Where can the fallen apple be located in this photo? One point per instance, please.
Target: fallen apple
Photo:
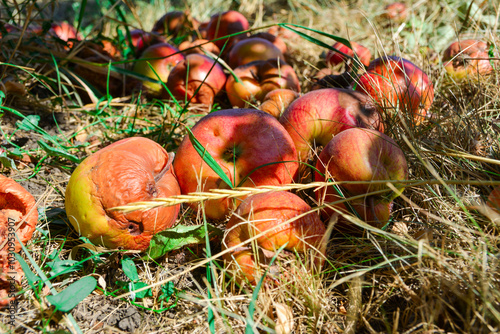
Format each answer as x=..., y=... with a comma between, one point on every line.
x=276, y=101
x=314, y=118
x=361, y=155
x=196, y=72
x=250, y=146
x=197, y=46
x=468, y=58
x=162, y=58
x=395, y=82
x=253, y=49
x=396, y=12
x=18, y=214
x=257, y=79
x=276, y=40
x=285, y=218
x=224, y=24
x=130, y=170
x=142, y=40
x=65, y=32
x=334, y=58
x=494, y=199
x=176, y=23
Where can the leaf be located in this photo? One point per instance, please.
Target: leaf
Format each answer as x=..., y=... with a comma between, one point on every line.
x=7, y=162
x=30, y=276
x=209, y=160
x=29, y=123
x=67, y=299
x=59, y=267
x=167, y=291
x=284, y=323
x=177, y=237
x=57, y=152
x=129, y=268
x=140, y=294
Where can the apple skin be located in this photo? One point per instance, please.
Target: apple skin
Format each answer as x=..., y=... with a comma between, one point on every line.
x=317, y=116
x=257, y=79
x=393, y=80
x=197, y=47
x=226, y=23
x=130, y=170
x=256, y=138
x=175, y=23
x=16, y=205
x=494, y=199
x=361, y=155
x=141, y=40
x=459, y=62
x=263, y=212
x=334, y=58
x=167, y=59
x=276, y=40
x=65, y=32
x=253, y=49
x=276, y=101
x=196, y=68
x=396, y=12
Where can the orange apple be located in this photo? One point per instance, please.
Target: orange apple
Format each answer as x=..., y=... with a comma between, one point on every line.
x=468, y=58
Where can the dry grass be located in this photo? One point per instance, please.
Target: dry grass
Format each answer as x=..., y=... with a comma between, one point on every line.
x=434, y=269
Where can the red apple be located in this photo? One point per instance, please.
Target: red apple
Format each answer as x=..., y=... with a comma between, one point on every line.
x=197, y=46
x=396, y=11
x=259, y=78
x=361, y=155
x=334, y=58
x=162, y=57
x=224, y=24
x=270, y=212
x=317, y=116
x=393, y=81
x=467, y=58
x=175, y=23
x=141, y=40
x=197, y=70
x=276, y=40
x=130, y=170
x=276, y=101
x=494, y=199
x=253, y=49
x=65, y=32
x=248, y=144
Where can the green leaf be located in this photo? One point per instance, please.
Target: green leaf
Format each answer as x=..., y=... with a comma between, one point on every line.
x=178, y=237
x=67, y=299
x=7, y=162
x=57, y=152
x=59, y=267
x=140, y=294
x=209, y=160
x=129, y=268
x=167, y=290
x=30, y=276
x=29, y=123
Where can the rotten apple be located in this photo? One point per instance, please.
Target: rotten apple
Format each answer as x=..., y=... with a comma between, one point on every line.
x=360, y=155
x=285, y=218
x=334, y=58
x=130, y=170
x=175, y=23
x=257, y=79
x=467, y=58
x=276, y=101
x=250, y=146
x=314, y=118
x=196, y=72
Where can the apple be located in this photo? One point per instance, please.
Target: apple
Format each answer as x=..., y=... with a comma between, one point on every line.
x=316, y=117
x=282, y=32
x=175, y=23
x=393, y=81
x=250, y=146
x=141, y=40
x=334, y=58
x=396, y=11
x=467, y=58
x=18, y=213
x=271, y=213
x=328, y=78
x=253, y=49
x=127, y=171
x=197, y=46
x=276, y=101
x=494, y=199
x=361, y=155
x=162, y=57
x=276, y=40
x=65, y=32
x=197, y=70
x=224, y=24
x=258, y=78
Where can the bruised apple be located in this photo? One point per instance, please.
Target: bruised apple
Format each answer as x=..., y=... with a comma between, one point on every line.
x=250, y=146
x=257, y=79
x=162, y=58
x=224, y=24
x=253, y=49
x=316, y=117
x=467, y=58
x=18, y=214
x=276, y=101
x=334, y=58
x=393, y=81
x=277, y=214
x=361, y=155
x=130, y=170
x=200, y=72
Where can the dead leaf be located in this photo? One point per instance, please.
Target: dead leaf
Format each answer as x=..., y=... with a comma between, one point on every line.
x=284, y=323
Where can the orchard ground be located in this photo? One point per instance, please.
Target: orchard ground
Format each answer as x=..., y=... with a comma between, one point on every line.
x=433, y=269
